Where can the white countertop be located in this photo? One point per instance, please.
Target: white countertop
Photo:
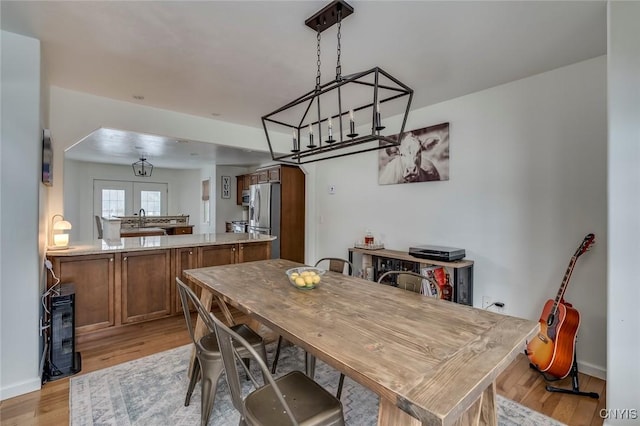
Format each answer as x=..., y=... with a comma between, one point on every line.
x=156, y=242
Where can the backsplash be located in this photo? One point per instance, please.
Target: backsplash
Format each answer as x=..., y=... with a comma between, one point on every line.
x=150, y=221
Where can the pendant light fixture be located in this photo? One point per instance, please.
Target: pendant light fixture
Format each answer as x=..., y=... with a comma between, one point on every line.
x=350, y=114
x=142, y=168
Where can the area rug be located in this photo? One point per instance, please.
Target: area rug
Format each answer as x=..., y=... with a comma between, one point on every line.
x=151, y=391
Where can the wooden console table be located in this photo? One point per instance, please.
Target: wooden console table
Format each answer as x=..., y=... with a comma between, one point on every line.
x=400, y=260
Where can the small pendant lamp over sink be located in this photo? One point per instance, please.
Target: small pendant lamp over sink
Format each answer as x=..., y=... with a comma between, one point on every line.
x=142, y=168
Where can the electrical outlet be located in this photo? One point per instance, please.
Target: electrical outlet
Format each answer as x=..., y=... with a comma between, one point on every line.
x=491, y=304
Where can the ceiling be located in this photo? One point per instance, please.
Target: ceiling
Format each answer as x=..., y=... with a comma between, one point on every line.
x=239, y=60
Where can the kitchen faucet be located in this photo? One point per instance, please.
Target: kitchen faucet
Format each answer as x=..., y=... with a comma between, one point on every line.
x=141, y=215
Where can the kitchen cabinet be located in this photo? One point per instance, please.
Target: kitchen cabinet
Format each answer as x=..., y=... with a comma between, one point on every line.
x=184, y=258
x=216, y=255
x=131, y=284
x=292, y=207
x=146, y=285
x=94, y=279
x=292, y=213
x=254, y=251
x=263, y=176
x=179, y=230
x=239, y=189
x=242, y=184
x=274, y=174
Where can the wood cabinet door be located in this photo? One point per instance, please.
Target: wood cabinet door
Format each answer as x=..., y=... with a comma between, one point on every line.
x=146, y=285
x=254, y=251
x=239, y=188
x=216, y=255
x=181, y=230
x=292, y=219
x=263, y=176
x=247, y=181
x=185, y=258
x=253, y=178
x=94, y=278
x=274, y=174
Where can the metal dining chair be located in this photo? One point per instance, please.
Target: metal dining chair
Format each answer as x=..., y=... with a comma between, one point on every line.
x=99, y=226
x=208, y=364
x=336, y=264
x=434, y=289
x=294, y=398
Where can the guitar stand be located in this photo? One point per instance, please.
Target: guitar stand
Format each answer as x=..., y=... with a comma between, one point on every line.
x=575, y=390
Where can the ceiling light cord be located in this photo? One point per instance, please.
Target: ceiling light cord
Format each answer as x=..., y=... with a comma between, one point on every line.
x=318, y=37
x=338, y=66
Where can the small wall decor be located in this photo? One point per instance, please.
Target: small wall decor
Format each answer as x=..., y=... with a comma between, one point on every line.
x=47, y=158
x=205, y=201
x=226, y=187
x=422, y=156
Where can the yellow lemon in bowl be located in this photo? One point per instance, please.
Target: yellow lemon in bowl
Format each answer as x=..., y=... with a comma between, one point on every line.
x=300, y=282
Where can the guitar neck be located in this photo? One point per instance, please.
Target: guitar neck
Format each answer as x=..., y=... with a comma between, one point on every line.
x=565, y=282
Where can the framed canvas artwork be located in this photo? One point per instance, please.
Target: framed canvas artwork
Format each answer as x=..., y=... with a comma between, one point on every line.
x=422, y=156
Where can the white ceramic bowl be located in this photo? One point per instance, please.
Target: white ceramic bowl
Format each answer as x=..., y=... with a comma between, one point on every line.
x=305, y=277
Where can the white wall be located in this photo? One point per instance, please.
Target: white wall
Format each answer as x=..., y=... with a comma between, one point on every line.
x=20, y=156
x=79, y=177
x=527, y=183
x=208, y=224
x=623, y=345
x=188, y=197
x=227, y=209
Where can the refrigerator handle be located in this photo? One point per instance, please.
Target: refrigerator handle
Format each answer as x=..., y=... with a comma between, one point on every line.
x=257, y=207
x=251, y=209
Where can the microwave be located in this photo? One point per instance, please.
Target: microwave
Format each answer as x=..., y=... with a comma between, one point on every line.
x=245, y=197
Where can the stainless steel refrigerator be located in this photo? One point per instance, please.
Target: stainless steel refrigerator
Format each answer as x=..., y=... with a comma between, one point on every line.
x=264, y=212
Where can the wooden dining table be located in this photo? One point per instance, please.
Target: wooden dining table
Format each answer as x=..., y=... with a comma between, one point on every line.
x=431, y=362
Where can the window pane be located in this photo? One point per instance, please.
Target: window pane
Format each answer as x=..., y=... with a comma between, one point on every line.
x=112, y=202
x=150, y=202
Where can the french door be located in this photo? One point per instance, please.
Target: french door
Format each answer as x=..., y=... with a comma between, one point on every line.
x=122, y=198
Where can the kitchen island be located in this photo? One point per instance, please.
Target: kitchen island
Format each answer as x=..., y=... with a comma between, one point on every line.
x=129, y=280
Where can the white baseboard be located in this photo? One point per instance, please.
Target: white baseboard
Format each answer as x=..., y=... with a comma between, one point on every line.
x=20, y=388
x=592, y=370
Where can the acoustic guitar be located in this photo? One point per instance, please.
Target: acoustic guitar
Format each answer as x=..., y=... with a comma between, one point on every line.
x=552, y=350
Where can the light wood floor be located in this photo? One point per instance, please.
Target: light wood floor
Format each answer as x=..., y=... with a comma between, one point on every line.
x=50, y=405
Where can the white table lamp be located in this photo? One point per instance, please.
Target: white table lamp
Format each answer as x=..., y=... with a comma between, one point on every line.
x=59, y=237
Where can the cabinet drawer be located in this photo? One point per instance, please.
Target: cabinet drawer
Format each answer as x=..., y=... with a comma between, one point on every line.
x=183, y=230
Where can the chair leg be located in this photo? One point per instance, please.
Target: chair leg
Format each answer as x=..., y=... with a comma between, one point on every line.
x=309, y=364
x=263, y=354
x=247, y=363
x=277, y=355
x=210, y=374
x=340, y=383
x=195, y=375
